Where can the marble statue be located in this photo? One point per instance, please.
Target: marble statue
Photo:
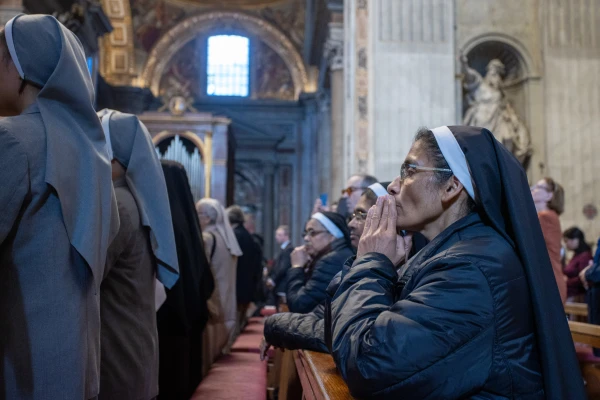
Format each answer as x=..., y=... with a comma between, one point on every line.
x=489, y=108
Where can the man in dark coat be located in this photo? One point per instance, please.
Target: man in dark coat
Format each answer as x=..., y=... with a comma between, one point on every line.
x=277, y=279
x=249, y=264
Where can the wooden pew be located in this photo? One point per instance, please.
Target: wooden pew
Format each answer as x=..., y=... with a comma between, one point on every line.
x=585, y=333
x=579, y=309
x=319, y=377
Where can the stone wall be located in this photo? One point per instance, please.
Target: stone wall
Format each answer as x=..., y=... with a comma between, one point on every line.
x=571, y=44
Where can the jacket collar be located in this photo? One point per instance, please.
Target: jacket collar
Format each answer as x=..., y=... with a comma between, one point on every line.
x=437, y=244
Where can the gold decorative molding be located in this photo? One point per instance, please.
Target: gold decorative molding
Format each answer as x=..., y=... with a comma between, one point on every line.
x=117, y=56
x=172, y=41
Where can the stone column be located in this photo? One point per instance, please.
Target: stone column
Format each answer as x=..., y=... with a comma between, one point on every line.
x=268, y=207
x=8, y=9
x=334, y=52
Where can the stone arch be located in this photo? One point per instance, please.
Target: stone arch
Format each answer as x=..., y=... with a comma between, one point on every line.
x=520, y=52
x=172, y=41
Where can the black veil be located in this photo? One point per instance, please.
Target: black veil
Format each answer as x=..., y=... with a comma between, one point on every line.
x=504, y=202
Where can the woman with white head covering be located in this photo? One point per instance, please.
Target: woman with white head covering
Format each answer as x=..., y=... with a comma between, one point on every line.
x=476, y=313
x=143, y=249
x=326, y=246
x=223, y=251
x=58, y=214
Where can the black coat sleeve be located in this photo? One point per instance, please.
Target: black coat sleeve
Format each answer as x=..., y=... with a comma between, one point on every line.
x=425, y=346
x=297, y=331
x=303, y=297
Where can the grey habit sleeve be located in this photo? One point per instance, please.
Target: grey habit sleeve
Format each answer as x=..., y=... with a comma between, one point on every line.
x=14, y=182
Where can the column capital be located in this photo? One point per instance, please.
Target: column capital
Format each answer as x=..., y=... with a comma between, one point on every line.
x=334, y=46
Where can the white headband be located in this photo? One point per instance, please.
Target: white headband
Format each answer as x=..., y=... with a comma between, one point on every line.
x=454, y=156
x=329, y=225
x=11, y=46
x=106, y=129
x=378, y=189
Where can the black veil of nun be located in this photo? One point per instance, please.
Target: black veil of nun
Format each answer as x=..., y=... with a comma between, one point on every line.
x=504, y=202
x=183, y=316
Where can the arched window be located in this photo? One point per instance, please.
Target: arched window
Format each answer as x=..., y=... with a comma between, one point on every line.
x=228, y=66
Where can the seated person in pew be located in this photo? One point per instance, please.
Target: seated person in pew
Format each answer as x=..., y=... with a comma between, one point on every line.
x=143, y=251
x=326, y=247
x=469, y=316
x=305, y=331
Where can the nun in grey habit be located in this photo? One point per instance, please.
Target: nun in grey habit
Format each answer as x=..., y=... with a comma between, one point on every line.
x=58, y=214
x=143, y=249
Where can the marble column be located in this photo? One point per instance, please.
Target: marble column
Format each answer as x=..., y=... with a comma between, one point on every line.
x=268, y=207
x=324, y=142
x=8, y=9
x=334, y=52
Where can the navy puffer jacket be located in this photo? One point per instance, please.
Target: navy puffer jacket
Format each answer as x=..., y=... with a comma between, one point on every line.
x=305, y=291
x=455, y=322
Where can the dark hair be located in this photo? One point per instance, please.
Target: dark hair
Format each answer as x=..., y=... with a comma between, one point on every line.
x=4, y=45
x=557, y=203
x=576, y=233
x=427, y=139
x=235, y=215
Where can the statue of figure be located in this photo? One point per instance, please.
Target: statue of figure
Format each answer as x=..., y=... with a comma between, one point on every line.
x=489, y=108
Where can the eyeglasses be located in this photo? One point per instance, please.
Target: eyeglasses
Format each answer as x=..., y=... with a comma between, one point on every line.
x=359, y=215
x=408, y=170
x=311, y=233
x=351, y=189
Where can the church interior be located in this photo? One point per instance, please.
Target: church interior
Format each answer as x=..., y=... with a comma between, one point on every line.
x=277, y=105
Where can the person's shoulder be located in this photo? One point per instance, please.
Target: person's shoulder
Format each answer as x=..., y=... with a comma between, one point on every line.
x=548, y=216
x=26, y=132
x=488, y=253
x=12, y=148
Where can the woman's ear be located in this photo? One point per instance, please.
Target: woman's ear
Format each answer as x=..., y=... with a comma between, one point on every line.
x=452, y=189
